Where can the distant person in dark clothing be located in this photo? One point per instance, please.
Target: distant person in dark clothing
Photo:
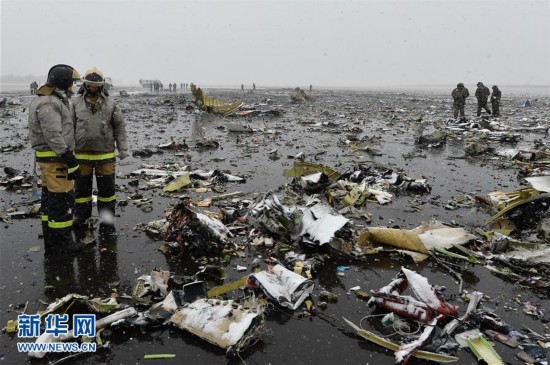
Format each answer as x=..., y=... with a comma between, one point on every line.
x=34, y=87
x=242, y=87
x=174, y=87
x=170, y=86
x=459, y=96
x=310, y=88
x=253, y=87
x=495, y=101
x=482, y=95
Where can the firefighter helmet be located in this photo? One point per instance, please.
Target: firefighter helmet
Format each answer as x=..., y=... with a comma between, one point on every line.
x=93, y=77
x=62, y=76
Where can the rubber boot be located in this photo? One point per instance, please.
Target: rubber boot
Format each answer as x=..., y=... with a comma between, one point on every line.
x=83, y=199
x=46, y=238
x=106, y=199
x=84, y=233
x=44, y=219
x=60, y=223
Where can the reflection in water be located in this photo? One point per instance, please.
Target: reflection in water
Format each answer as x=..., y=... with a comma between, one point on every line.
x=197, y=128
x=59, y=275
x=108, y=265
x=90, y=272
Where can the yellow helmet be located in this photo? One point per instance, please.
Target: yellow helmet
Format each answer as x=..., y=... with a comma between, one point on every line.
x=94, y=77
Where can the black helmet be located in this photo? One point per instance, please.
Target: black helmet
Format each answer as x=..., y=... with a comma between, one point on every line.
x=480, y=83
x=460, y=84
x=62, y=76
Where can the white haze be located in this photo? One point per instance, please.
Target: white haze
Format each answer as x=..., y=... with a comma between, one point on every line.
x=283, y=43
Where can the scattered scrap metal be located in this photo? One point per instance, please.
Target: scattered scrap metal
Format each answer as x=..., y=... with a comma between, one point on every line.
x=319, y=209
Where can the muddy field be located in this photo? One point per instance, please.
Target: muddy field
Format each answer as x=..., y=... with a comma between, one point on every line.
x=320, y=129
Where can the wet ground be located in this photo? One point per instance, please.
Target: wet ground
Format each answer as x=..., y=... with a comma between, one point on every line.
x=318, y=129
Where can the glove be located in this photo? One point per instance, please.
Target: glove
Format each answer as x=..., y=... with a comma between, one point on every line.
x=73, y=168
x=122, y=154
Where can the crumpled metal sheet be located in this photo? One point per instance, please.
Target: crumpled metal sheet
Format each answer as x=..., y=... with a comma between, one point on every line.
x=540, y=255
x=223, y=323
x=217, y=106
x=306, y=168
x=196, y=232
x=156, y=283
x=421, y=239
x=300, y=95
x=271, y=215
x=320, y=223
x=282, y=286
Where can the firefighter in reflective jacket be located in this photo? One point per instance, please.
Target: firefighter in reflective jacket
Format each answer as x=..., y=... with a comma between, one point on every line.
x=51, y=131
x=99, y=128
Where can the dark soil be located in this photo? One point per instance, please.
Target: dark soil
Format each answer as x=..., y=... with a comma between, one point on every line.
x=319, y=129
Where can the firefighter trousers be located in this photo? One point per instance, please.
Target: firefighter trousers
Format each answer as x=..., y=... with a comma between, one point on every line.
x=57, y=205
x=106, y=198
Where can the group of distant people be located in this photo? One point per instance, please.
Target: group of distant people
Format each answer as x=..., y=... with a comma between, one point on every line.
x=253, y=87
x=34, y=87
x=172, y=87
x=482, y=94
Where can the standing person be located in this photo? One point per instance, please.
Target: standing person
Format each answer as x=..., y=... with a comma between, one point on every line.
x=51, y=131
x=170, y=86
x=253, y=87
x=310, y=88
x=99, y=129
x=174, y=85
x=181, y=85
x=482, y=95
x=32, y=88
x=242, y=87
x=495, y=101
x=459, y=96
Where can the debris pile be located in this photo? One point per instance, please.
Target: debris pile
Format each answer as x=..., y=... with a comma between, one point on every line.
x=372, y=185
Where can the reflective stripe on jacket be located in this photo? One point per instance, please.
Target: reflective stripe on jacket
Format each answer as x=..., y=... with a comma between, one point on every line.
x=51, y=128
x=91, y=157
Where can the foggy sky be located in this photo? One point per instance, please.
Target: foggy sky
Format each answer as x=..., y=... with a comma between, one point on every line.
x=283, y=43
